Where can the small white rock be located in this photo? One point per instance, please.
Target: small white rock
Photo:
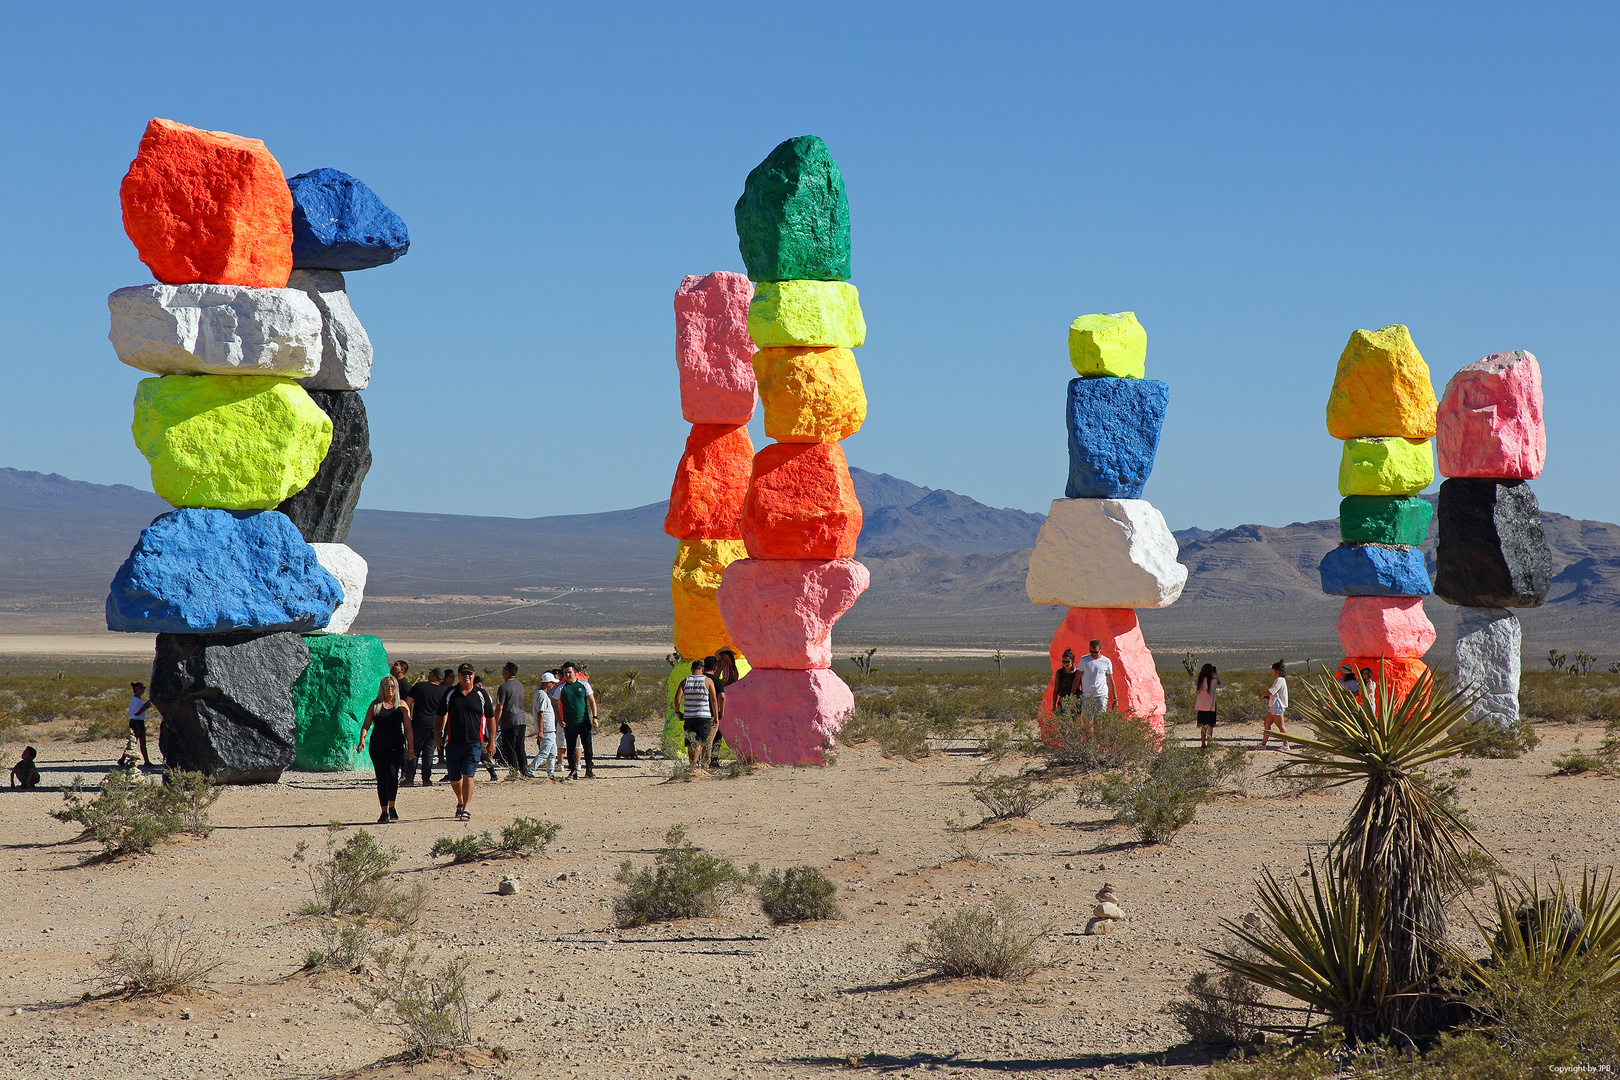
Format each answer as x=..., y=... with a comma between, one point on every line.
x=216, y=330
x=510, y=885
x=1105, y=553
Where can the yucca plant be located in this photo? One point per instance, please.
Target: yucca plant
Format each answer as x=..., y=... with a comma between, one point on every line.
x=1544, y=934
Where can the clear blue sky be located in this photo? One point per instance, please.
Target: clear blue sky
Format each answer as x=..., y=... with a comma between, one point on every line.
x=1254, y=181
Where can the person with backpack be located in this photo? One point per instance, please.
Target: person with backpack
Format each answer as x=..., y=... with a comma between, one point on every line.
x=698, y=709
x=468, y=733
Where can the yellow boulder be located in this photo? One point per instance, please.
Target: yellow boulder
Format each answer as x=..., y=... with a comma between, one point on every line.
x=1382, y=388
x=1386, y=466
x=810, y=394
x=1108, y=345
x=694, y=582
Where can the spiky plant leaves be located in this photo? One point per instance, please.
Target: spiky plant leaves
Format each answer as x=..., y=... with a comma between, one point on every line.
x=1544, y=934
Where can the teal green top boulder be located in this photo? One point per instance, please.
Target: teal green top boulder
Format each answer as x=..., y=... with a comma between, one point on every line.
x=793, y=216
x=229, y=442
x=332, y=696
x=1385, y=519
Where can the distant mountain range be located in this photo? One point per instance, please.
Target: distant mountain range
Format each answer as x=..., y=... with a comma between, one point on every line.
x=946, y=570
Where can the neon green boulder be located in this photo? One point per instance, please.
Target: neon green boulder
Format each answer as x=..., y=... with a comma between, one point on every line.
x=1392, y=466
x=819, y=313
x=1106, y=344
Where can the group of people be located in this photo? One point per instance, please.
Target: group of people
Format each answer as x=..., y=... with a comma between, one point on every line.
x=1275, y=696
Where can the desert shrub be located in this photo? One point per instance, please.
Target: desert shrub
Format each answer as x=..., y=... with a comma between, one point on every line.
x=349, y=943
x=897, y=734
x=131, y=815
x=685, y=882
x=1490, y=740
x=1220, y=1011
x=798, y=894
x=157, y=957
x=1105, y=741
x=524, y=837
x=355, y=878
x=92, y=709
x=1579, y=761
x=1569, y=698
x=1161, y=798
x=998, y=941
x=430, y=1010
x=1015, y=795
x=195, y=794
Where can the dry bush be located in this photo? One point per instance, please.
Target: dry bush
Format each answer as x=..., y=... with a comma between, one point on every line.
x=131, y=815
x=1105, y=741
x=684, y=883
x=92, y=709
x=897, y=734
x=430, y=1010
x=523, y=838
x=159, y=957
x=1016, y=795
x=1491, y=740
x=799, y=894
x=355, y=878
x=349, y=944
x=999, y=941
x=1220, y=1011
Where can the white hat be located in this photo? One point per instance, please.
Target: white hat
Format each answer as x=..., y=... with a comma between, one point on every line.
x=550, y=677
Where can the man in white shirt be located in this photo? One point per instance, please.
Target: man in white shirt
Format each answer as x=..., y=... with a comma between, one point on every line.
x=546, y=727
x=1276, y=699
x=1096, y=682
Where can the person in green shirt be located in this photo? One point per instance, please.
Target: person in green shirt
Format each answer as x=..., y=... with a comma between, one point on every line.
x=578, y=703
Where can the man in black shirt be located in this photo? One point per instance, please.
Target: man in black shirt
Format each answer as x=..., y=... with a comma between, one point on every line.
x=427, y=706
x=467, y=731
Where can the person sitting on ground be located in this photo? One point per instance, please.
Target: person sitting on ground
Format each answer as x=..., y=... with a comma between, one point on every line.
x=627, y=742
x=1276, y=699
x=1063, y=680
x=697, y=714
x=137, y=726
x=25, y=773
x=1209, y=681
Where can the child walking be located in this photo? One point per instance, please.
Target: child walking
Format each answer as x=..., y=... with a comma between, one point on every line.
x=1276, y=699
x=1209, y=681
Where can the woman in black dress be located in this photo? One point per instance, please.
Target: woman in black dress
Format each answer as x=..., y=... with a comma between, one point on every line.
x=390, y=744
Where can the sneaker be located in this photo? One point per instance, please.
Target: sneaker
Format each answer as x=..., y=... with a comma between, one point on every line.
x=590, y=774
x=393, y=814
x=382, y=818
x=529, y=775
x=426, y=782
x=572, y=775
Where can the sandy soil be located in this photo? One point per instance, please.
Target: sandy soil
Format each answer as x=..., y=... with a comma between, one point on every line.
x=727, y=997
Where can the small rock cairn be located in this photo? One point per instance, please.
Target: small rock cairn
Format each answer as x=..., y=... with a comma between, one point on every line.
x=800, y=517
x=1382, y=405
x=1103, y=550
x=1106, y=912
x=255, y=432
x=1492, y=553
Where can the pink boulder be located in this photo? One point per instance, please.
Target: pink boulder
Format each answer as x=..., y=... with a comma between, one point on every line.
x=713, y=349
x=786, y=717
x=780, y=612
x=1393, y=626
x=1136, y=680
x=1489, y=423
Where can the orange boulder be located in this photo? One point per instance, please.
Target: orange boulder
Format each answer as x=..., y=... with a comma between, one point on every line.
x=1139, y=693
x=801, y=504
x=1401, y=673
x=208, y=206
x=706, y=500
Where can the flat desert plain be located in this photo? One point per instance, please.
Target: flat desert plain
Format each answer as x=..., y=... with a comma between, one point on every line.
x=730, y=996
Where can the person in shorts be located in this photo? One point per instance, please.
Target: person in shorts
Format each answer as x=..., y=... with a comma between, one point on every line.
x=1276, y=699
x=467, y=729
x=1209, y=681
x=137, y=725
x=1096, y=682
x=697, y=713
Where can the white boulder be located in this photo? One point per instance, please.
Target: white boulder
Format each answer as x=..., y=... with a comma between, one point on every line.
x=345, y=361
x=1105, y=553
x=1486, y=658
x=345, y=564
x=216, y=330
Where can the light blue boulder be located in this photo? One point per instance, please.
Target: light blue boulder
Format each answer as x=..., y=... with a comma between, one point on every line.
x=340, y=224
x=214, y=571
x=1374, y=570
x=1114, y=426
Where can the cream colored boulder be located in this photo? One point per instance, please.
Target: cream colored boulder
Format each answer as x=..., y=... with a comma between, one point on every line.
x=345, y=564
x=1105, y=553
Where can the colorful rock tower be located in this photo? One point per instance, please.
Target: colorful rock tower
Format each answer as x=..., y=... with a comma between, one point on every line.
x=1103, y=550
x=1382, y=405
x=1492, y=554
x=255, y=432
x=800, y=518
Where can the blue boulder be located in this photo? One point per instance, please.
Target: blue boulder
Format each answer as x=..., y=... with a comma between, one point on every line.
x=1114, y=428
x=1374, y=570
x=340, y=224
x=215, y=571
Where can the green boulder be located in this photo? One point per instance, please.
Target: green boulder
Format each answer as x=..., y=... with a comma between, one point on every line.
x=1385, y=519
x=793, y=216
x=332, y=696
x=229, y=442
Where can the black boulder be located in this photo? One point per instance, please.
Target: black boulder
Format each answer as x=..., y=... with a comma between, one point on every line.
x=1491, y=550
x=324, y=510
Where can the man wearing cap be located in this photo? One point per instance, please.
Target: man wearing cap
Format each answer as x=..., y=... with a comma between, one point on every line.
x=467, y=733
x=545, y=733
x=427, y=712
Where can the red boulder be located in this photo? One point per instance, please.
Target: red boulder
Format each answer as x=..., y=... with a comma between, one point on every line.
x=706, y=500
x=801, y=504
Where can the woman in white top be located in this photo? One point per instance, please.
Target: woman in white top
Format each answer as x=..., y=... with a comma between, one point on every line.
x=1209, y=681
x=1276, y=700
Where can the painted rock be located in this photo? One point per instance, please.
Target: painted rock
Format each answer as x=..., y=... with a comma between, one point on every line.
x=338, y=223
x=1490, y=420
x=793, y=215
x=693, y=582
x=345, y=356
x=1485, y=658
x=1114, y=429
x=1105, y=553
x=1374, y=570
x=1108, y=345
x=324, y=509
x=345, y=564
x=801, y=504
x=208, y=206
x=825, y=313
x=1492, y=551
x=1385, y=519
x=332, y=696
x=1385, y=626
x=215, y=571
x=713, y=349
x=781, y=611
x=227, y=704
x=706, y=500
x=1379, y=466
x=786, y=717
x=233, y=442
x=810, y=394
x=1136, y=677
x=674, y=736
x=1399, y=674
x=215, y=330
x=1382, y=388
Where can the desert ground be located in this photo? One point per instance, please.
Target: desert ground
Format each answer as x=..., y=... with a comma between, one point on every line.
x=730, y=996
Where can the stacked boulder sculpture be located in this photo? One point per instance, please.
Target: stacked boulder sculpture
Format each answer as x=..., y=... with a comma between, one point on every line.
x=255, y=432
x=799, y=518
x=1492, y=554
x=1103, y=550
x=1382, y=406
